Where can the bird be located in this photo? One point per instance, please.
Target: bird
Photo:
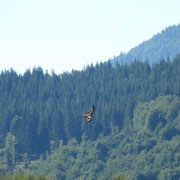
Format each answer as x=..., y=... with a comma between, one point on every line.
x=90, y=114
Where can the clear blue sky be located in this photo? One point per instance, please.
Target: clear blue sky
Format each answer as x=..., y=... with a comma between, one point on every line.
x=70, y=34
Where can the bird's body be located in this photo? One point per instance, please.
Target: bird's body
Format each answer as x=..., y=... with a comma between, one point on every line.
x=90, y=114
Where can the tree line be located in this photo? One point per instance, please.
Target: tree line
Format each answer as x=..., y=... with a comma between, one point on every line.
x=149, y=149
x=40, y=109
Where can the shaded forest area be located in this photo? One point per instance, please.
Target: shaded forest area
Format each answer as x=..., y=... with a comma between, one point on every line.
x=149, y=149
x=42, y=113
x=40, y=109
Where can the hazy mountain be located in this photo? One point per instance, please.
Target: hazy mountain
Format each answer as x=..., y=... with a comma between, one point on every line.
x=163, y=45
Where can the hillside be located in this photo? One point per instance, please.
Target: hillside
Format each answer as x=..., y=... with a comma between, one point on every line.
x=163, y=45
x=149, y=149
x=40, y=112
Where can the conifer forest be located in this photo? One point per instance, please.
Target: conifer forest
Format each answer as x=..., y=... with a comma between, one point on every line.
x=134, y=133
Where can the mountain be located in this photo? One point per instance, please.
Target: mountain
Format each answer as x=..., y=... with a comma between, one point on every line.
x=163, y=45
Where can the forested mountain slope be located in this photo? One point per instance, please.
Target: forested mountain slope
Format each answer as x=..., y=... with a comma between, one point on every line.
x=149, y=149
x=133, y=131
x=40, y=109
x=163, y=45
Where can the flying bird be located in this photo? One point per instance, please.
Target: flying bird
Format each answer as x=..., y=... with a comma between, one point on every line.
x=90, y=114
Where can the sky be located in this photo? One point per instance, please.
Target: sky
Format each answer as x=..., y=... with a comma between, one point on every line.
x=61, y=35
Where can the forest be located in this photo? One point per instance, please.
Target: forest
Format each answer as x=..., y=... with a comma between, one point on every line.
x=165, y=44
x=135, y=131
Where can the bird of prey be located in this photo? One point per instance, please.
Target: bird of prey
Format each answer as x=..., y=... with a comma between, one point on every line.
x=90, y=114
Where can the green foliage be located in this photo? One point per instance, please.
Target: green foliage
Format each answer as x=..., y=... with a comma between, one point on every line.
x=136, y=151
x=25, y=176
x=160, y=115
x=120, y=177
x=10, y=150
x=135, y=128
x=38, y=108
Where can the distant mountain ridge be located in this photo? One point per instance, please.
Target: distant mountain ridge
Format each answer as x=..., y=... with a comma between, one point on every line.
x=163, y=45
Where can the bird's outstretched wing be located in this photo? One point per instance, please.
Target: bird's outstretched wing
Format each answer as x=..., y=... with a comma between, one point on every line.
x=91, y=110
x=85, y=115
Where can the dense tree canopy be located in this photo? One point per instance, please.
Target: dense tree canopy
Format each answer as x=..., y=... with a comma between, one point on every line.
x=38, y=108
x=139, y=152
x=41, y=111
